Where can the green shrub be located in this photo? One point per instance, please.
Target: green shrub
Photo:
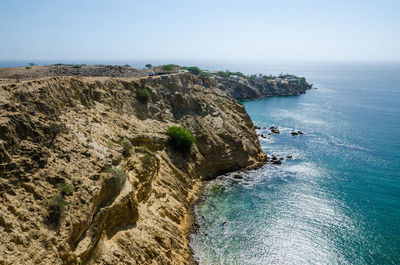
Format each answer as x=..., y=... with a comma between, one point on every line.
x=118, y=177
x=168, y=67
x=66, y=189
x=268, y=77
x=249, y=124
x=127, y=146
x=148, y=66
x=144, y=95
x=227, y=74
x=145, y=158
x=180, y=138
x=56, y=207
x=252, y=77
x=221, y=101
x=110, y=144
x=194, y=70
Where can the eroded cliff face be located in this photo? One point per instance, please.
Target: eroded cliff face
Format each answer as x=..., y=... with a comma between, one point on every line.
x=87, y=175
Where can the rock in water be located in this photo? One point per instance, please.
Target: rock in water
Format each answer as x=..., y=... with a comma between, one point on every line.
x=275, y=130
x=238, y=176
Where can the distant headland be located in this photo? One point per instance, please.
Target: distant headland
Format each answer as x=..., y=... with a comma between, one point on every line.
x=240, y=86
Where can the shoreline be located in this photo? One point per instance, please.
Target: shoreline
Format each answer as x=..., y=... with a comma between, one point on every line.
x=192, y=225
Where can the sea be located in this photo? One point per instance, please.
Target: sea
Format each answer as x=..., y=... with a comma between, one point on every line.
x=337, y=200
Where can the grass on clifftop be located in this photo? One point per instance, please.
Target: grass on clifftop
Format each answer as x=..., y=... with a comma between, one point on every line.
x=180, y=138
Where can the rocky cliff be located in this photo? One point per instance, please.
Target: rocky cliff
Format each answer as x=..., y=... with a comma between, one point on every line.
x=87, y=175
x=262, y=87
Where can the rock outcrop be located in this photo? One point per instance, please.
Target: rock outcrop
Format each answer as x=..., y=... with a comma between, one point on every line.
x=87, y=175
x=261, y=87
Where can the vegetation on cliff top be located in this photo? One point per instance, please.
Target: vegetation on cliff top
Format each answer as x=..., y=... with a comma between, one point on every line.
x=228, y=74
x=168, y=67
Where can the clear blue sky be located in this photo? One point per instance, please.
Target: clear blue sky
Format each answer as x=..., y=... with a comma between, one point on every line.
x=298, y=30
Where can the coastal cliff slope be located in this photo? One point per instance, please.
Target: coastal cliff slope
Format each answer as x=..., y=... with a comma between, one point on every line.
x=87, y=175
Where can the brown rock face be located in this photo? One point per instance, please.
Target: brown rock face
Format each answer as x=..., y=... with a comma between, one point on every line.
x=260, y=87
x=87, y=175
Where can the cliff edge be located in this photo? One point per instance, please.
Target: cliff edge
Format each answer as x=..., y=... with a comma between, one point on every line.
x=87, y=175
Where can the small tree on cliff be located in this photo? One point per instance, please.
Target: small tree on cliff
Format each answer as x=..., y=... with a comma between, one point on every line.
x=144, y=95
x=180, y=138
x=148, y=66
x=194, y=70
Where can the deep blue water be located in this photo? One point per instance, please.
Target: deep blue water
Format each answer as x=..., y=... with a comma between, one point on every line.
x=338, y=200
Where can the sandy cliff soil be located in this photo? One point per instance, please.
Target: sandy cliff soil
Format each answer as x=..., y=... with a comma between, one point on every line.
x=87, y=174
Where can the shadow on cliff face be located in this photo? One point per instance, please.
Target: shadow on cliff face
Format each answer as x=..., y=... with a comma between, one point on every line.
x=181, y=160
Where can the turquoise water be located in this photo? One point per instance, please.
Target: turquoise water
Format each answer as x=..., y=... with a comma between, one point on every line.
x=338, y=200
